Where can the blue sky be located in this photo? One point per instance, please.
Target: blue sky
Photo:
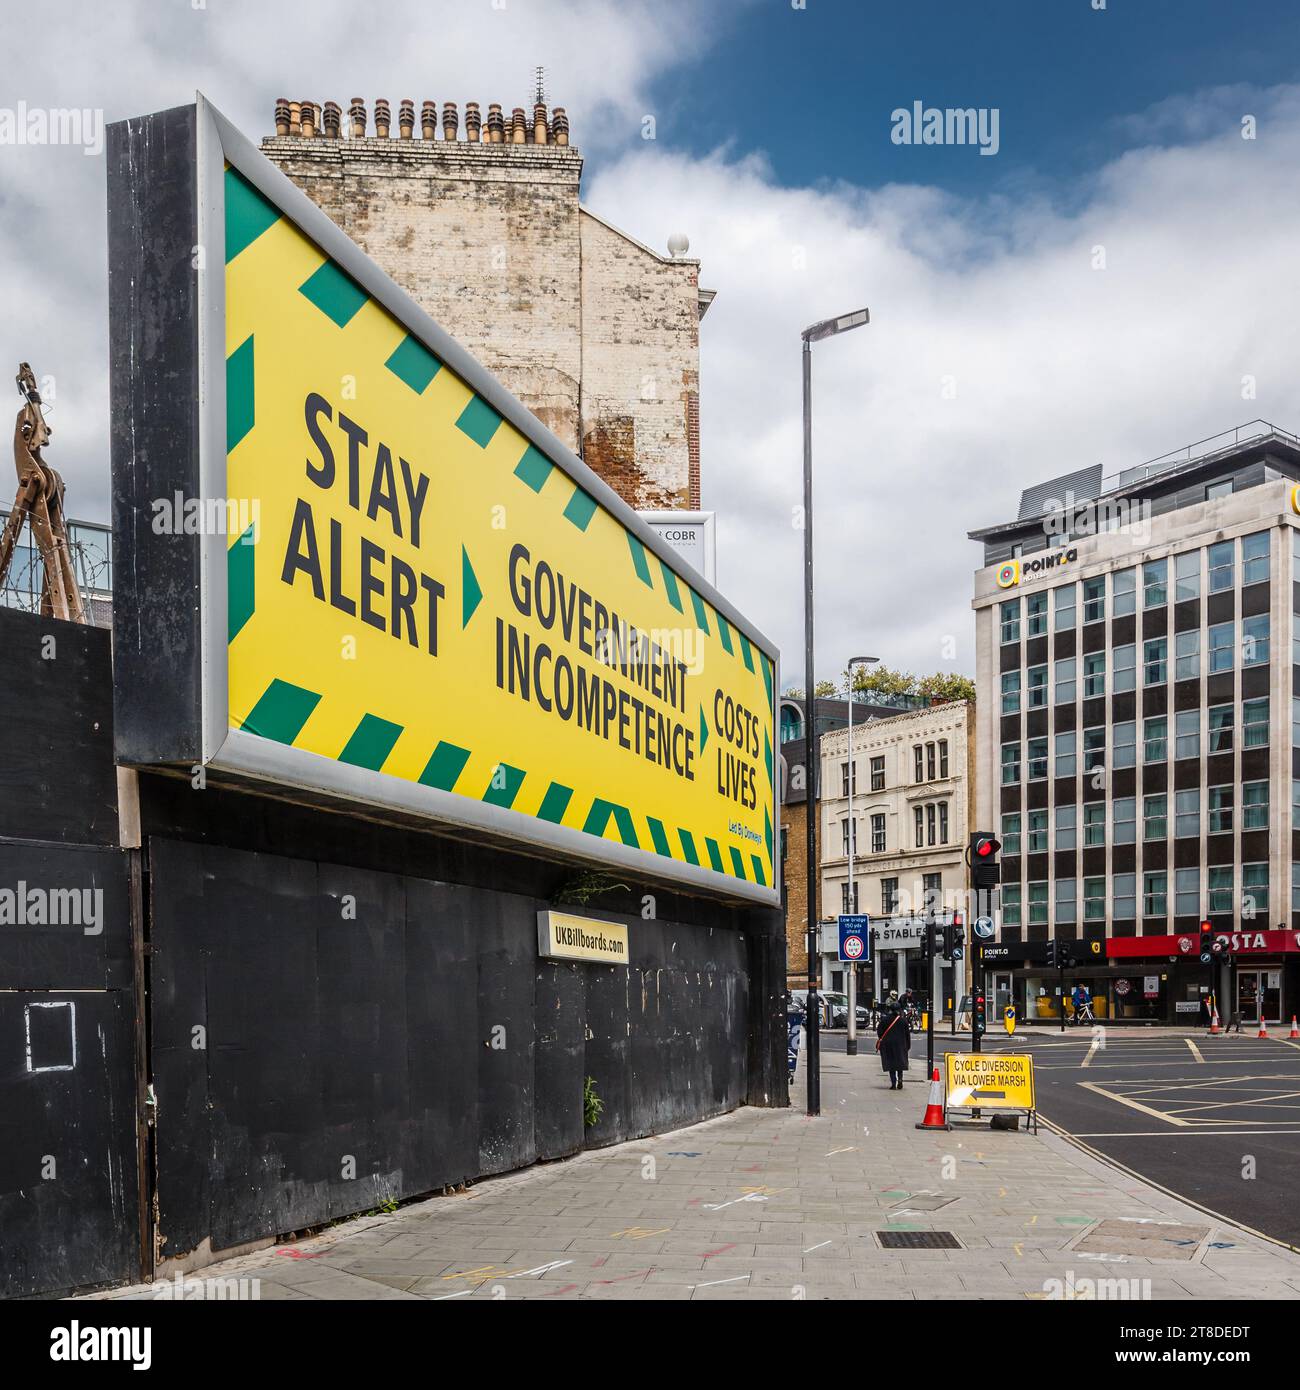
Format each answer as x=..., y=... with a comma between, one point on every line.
x=813, y=89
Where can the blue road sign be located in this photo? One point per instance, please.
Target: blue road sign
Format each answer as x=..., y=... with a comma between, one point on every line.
x=855, y=937
x=984, y=928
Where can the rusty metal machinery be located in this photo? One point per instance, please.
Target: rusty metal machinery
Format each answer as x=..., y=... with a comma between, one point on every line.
x=40, y=502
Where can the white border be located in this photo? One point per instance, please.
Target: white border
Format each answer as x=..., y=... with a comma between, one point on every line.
x=226, y=749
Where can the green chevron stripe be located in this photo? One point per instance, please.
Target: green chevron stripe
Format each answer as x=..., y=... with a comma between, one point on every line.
x=504, y=786
x=248, y=214
x=688, y=846
x=334, y=292
x=724, y=632
x=598, y=819
x=444, y=766
x=746, y=650
x=471, y=594
x=660, y=836
x=737, y=862
x=701, y=613
x=715, y=854
x=479, y=421
x=241, y=394
x=555, y=803
x=767, y=755
x=767, y=678
x=581, y=508
x=704, y=730
x=639, y=561
x=767, y=832
x=759, y=876
x=534, y=469
x=241, y=586
x=413, y=363
x=371, y=743
x=670, y=587
x=281, y=712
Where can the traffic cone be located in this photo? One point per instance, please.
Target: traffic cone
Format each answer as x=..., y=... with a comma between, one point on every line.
x=1295, y=1032
x=934, y=1107
x=1215, y=1030
x=1263, y=1027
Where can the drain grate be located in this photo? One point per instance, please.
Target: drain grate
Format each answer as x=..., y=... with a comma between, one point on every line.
x=918, y=1240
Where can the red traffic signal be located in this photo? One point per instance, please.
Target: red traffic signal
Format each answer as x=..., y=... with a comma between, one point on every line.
x=984, y=846
x=986, y=872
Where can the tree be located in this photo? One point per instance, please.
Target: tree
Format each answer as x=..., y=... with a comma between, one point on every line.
x=823, y=690
x=945, y=686
x=940, y=688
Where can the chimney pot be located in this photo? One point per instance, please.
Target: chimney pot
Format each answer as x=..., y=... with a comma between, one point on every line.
x=519, y=123
x=450, y=120
x=307, y=120
x=473, y=121
x=495, y=125
x=295, y=118
x=406, y=118
x=357, y=113
x=429, y=120
x=383, y=119
x=541, y=135
x=332, y=119
x=560, y=126
x=282, y=116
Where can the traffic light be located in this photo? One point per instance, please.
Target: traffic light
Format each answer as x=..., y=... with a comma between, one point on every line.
x=954, y=938
x=1053, y=954
x=977, y=1014
x=1212, y=947
x=985, y=871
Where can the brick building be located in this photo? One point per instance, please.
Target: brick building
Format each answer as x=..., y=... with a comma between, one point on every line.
x=595, y=333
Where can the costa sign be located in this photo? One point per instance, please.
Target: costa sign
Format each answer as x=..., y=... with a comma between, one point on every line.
x=1239, y=943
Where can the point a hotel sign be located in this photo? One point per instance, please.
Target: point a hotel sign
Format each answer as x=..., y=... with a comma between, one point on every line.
x=350, y=565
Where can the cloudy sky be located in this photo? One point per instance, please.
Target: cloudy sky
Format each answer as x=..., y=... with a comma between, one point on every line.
x=1118, y=280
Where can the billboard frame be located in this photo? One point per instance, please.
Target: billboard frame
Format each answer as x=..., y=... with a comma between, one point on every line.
x=248, y=756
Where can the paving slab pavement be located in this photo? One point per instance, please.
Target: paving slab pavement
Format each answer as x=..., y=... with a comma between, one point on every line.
x=769, y=1204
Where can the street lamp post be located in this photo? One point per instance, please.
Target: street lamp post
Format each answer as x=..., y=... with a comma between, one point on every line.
x=826, y=329
x=851, y=1046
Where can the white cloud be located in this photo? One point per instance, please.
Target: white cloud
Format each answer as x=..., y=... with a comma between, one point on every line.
x=1056, y=365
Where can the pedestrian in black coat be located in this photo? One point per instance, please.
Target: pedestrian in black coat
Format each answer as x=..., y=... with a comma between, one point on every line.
x=894, y=1042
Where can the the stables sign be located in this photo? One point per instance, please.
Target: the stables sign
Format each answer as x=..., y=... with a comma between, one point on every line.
x=427, y=603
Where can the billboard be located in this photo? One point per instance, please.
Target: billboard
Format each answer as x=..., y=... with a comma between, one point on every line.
x=420, y=599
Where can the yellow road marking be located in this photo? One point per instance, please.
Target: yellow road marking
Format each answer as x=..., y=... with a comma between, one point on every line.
x=1092, y=1051
x=1196, y=1051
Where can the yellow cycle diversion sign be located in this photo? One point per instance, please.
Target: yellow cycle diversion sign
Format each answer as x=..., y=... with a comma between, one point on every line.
x=990, y=1081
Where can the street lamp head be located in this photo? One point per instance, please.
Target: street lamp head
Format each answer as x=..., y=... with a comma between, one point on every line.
x=827, y=328
x=864, y=661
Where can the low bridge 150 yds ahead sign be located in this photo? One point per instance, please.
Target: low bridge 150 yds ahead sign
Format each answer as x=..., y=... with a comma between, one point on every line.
x=433, y=605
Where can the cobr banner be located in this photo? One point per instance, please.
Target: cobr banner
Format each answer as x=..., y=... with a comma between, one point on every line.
x=422, y=600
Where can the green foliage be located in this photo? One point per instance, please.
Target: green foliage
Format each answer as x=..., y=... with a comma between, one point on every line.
x=583, y=885
x=940, y=688
x=592, y=1105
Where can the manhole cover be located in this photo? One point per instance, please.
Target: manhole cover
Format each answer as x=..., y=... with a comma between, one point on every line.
x=1149, y=1239
x=918, y=1240
x=924, y=1203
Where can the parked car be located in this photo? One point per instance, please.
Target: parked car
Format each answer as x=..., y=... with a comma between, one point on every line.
x=835, y=1007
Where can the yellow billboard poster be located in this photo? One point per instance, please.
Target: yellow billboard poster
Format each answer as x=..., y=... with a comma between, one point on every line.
x=990, y=1081
x=432, y=607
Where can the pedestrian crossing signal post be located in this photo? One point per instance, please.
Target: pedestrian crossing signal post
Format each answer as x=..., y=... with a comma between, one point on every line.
x=985, y=874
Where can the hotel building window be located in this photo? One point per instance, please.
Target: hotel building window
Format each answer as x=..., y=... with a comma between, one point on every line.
x=1036, y=839
x=1254, y=723
x=1254, y=640
x=1254, y=892
x=1011, y=621
x=878, y=773
x=1038, y=903
x=1036, y=755
x=1066, y=760
x=1155, y=661
x=1155, y=817
x=1011, y=834
x=1155, y=740
x=1067, y=905
x=1187, y=576
x=1220, y=888
x=1124, y=817
x=1254, y=806
x=1123, y=592
x=1254, y=558
x=1094, y=899
x=1094, y=824
x=1010, y=764
x=1187, y=892
x=1187, y=733
x=1094, y=674
x=1187, y=814
x=1094, y=599
x=1125, y=897
x=1125, y=661
x=1065, y=680
x=1094, y=748
x=1011, y=692
x=1011, y=904
x=1155, y=583
x=1064, y=600
x=1221, y=566
x=1220, y=811
x=1218, y=736
x=1036, y=614
x=1154, y=890
x=1124, y=751
x=1187, y=654
x=1066, y=826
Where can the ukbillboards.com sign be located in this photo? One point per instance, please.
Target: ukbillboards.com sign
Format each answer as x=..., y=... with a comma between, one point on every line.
x=418, y=598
